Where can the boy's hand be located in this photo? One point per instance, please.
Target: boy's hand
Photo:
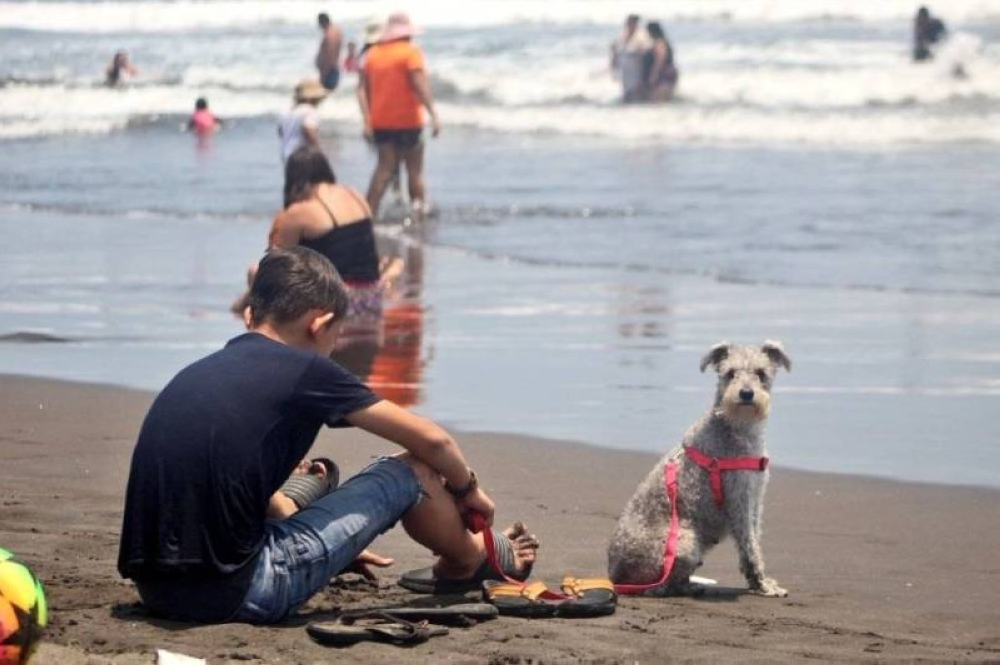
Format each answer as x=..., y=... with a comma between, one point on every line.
x=368, y=558
x=478, y=501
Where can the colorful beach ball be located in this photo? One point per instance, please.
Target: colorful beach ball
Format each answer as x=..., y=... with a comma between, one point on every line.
x=23, y=612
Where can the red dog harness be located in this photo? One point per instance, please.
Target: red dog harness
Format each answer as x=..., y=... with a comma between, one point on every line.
x=716, y=465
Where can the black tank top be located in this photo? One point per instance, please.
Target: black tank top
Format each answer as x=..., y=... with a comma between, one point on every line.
x=350, y=248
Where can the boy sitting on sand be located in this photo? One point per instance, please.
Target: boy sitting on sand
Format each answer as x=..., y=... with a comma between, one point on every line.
x=227, y=431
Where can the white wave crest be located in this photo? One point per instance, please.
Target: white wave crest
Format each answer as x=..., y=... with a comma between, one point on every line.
x=183, y=15
x=61, y=110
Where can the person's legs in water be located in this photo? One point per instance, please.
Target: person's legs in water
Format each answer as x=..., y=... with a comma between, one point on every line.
x=396, y=186
x=387, y=167
x=413, y=158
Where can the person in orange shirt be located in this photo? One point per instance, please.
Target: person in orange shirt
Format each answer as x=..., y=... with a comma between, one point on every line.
x=393, y=91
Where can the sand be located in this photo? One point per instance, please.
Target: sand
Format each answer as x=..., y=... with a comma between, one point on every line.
x=876, y=569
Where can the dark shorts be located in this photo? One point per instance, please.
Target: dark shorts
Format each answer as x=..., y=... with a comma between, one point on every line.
x=331, y=79
x=405, y=139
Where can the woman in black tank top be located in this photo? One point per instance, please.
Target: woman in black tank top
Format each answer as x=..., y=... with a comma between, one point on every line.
x=349, y=243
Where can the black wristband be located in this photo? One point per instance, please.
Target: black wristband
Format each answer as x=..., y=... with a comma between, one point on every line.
x=462, y=492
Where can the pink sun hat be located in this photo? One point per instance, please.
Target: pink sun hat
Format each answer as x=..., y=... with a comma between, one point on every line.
x=398, y=26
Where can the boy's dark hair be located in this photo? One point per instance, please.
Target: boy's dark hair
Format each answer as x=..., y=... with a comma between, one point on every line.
x=201, y=104
x=290, y=282
x=323, y=19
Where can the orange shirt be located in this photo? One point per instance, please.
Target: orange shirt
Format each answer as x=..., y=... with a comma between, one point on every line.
x=392, y=102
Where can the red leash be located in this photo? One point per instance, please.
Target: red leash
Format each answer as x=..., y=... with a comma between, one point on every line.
x=669, y=543
x=476, y=523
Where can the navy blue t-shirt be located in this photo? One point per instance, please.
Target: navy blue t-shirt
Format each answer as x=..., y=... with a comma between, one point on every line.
x=217, y=442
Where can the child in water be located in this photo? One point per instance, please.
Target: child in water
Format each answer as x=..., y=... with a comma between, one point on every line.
x=351, y=60
x=119, y=70
x=203, y=121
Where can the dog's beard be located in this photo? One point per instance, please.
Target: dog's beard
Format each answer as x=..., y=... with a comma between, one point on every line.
x=744, y=413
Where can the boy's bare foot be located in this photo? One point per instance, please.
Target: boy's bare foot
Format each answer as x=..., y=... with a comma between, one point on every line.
x=525, y=551
x=525, y=547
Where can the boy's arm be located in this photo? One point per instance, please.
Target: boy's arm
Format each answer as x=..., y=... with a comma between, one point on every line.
x=421, y=437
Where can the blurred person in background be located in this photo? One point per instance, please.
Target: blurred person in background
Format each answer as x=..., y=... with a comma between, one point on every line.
x=328, y=56
x=203, y=121
x=300, y=125
x=351, y=58
x=393, y=92
x=628, y=54
x=120, y=70
x=927, y=31
x=658, y=66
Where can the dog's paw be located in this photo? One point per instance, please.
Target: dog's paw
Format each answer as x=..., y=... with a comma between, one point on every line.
x=769, y=589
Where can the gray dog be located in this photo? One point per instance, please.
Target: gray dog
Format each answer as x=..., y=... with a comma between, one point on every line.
x=711, y=501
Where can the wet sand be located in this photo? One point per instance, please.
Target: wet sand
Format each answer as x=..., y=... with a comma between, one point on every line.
x=876, y=569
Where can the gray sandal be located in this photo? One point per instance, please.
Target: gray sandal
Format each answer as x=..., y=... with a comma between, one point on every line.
x=304, y=488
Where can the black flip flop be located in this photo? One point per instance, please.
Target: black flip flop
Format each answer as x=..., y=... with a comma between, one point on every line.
x=423, y=580
x=384, y=628
x=458, y=614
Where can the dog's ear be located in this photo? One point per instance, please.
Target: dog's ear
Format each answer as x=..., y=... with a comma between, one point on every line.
x=718, y=353
x=776, y=353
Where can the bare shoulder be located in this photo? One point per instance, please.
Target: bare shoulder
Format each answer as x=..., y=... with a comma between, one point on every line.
x=351, y=201
x=294, y=217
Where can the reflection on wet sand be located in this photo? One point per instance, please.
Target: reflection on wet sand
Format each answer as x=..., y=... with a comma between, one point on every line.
x=385, y=351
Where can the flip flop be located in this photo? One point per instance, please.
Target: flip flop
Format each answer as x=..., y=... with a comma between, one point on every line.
x=520, y=600
x=423, y=580
x=580, y=598
x=458, y=614
x=590, y=597
x=384, y=628
x=332, y=471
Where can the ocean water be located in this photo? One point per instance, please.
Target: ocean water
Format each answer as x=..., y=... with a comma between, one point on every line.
x=810, y=184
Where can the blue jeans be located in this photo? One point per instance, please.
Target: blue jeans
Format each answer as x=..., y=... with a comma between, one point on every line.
x=301, y=554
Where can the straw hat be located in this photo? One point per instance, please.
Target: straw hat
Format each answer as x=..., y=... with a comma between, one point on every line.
x=310, y=90
x=373, y=33
x=398, y=26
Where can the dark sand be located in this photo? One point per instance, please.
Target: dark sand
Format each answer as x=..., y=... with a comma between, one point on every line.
x=876, y=569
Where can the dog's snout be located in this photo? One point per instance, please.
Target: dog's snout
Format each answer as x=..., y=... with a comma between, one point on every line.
x=746, y=394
